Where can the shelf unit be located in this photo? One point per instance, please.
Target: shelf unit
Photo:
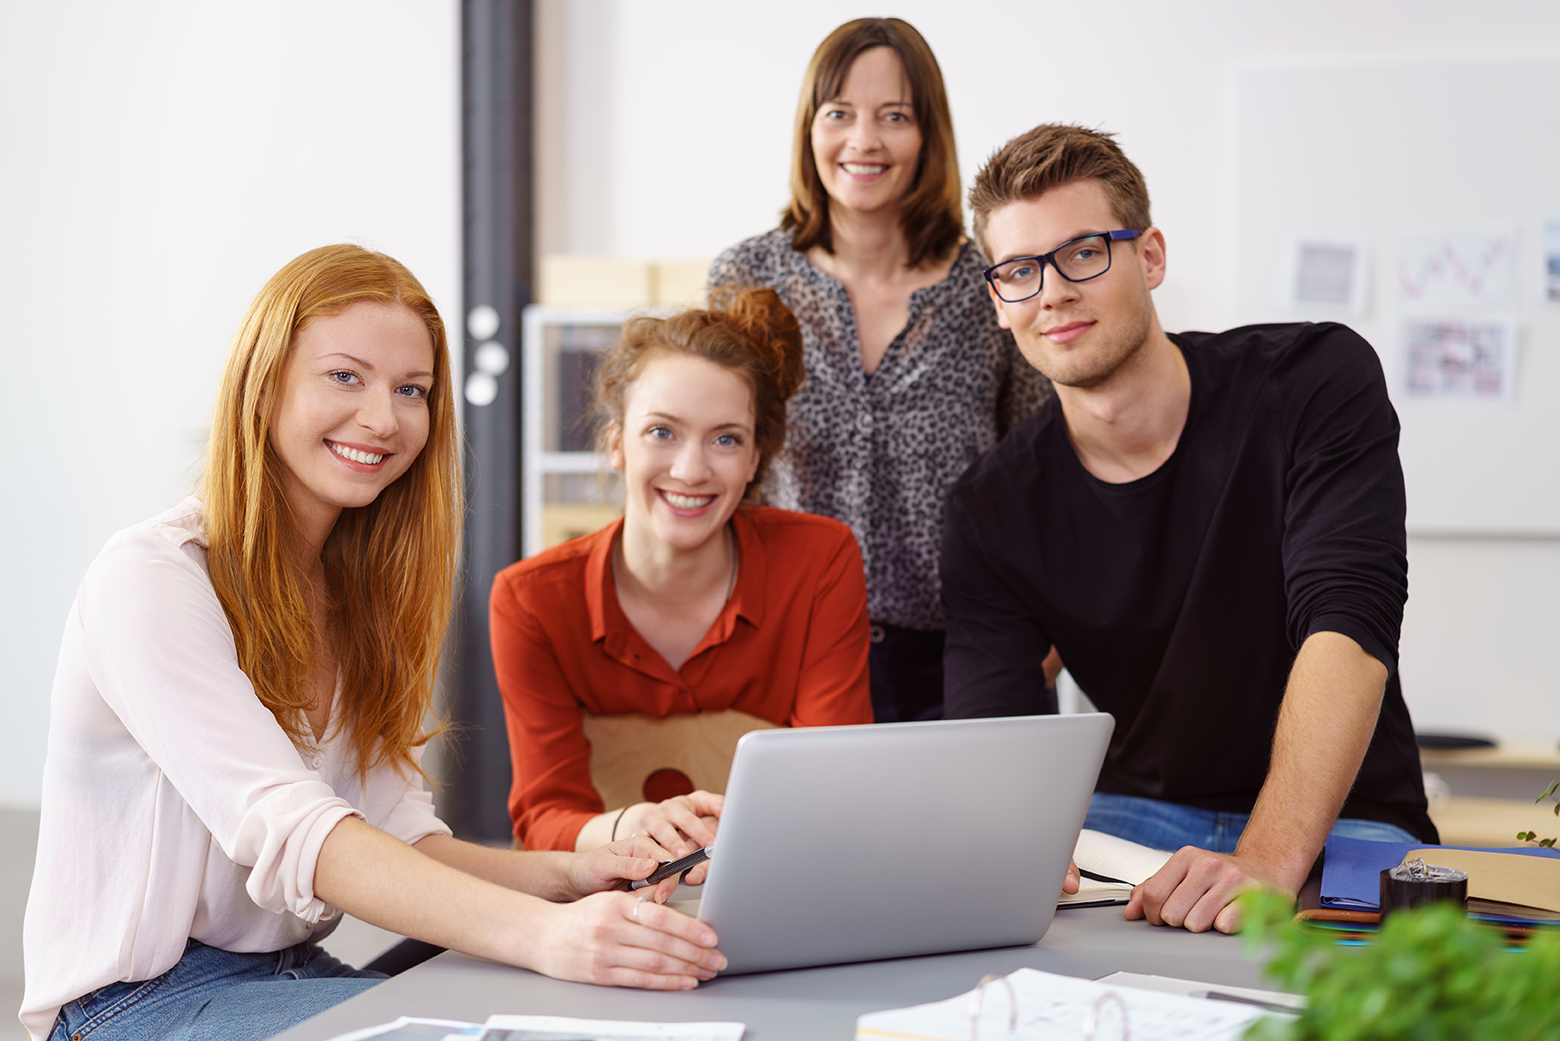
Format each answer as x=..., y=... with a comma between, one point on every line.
x=557, y=344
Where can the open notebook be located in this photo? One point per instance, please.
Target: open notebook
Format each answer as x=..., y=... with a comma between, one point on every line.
x=1115, y=865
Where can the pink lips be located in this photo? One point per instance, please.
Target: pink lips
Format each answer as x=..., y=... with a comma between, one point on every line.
x=682, y=511
x=865, y=176
x=1069, y=332
x=353, y=464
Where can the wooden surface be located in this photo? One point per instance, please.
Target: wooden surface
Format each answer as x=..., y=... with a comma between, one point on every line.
x=1492, y=822
x=1519, y=755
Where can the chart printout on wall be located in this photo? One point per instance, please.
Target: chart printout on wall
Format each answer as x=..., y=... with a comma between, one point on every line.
x=1443, y=172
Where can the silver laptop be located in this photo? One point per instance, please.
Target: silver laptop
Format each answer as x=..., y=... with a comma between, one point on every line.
x=843, y=844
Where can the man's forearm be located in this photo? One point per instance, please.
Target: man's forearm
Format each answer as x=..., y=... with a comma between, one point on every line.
x=1325, y=725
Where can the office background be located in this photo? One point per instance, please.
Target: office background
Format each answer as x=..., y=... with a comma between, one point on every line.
x=162, y=159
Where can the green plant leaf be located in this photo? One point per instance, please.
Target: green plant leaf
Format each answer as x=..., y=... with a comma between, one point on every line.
x=1430, y=974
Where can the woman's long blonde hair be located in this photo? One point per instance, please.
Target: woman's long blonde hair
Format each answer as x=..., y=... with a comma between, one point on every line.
x=389, y=566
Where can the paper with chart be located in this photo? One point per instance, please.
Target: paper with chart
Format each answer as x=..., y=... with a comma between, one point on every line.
x=1552, y=259
x=543, y=1028
x=565, y=1028
x=412, y=1028
x=1326, y=273
x=1054, y=1008
x=1461, y=358
x=1449, y=272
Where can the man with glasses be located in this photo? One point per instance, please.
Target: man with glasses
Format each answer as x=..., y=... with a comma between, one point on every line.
x=1207, y=526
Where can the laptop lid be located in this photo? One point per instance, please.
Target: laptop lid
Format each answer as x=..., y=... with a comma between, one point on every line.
x=842, y=844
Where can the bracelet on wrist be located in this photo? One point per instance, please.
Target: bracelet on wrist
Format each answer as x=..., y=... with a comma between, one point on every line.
x=618, y=821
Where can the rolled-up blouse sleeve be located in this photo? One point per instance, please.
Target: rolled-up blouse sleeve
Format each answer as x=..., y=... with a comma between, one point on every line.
x=160, y=651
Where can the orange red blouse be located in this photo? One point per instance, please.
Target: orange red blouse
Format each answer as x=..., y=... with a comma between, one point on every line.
x=790, y=646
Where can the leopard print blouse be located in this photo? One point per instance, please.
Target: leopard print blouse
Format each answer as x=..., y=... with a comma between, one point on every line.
x=880, y=452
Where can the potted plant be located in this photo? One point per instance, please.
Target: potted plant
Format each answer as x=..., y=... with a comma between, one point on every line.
x=1429, y=974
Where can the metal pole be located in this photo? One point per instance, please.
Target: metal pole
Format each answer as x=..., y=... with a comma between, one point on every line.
x=497, y=185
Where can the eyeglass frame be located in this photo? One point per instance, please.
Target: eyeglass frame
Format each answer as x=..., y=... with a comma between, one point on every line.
x=1050, y=258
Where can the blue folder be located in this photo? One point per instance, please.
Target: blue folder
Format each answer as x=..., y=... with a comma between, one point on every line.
x=1351, y=872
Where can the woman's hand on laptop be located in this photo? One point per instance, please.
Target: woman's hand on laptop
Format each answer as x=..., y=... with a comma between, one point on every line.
x=626, y=940
x=1073, y=881
x=680, y=824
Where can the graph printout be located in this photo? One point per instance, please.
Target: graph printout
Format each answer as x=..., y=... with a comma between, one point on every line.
x=1461, y=359
x=1450, y=271
x=1552, y=259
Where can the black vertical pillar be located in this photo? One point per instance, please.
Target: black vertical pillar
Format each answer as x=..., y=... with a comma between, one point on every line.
x=496, y=183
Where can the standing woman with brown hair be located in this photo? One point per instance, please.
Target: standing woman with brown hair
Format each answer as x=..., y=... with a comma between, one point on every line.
x=237, y=715
x=909, y=375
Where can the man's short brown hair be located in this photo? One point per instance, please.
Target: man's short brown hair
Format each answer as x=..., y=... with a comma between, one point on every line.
x=1051, y=155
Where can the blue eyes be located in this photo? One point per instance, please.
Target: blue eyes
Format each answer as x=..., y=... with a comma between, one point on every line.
x=348, y=378
x=721, y=440
x=837, y=115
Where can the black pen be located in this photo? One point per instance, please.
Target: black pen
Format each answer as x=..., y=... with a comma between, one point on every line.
x=674, y=867
x=1102, y=878
x=1269, y=1006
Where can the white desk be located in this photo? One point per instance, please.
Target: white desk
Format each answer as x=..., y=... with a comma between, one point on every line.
x=811, y=1004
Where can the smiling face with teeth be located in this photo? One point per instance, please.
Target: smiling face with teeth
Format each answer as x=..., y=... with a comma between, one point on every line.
x=352, y=410
x=686, y=451
x=866, y=141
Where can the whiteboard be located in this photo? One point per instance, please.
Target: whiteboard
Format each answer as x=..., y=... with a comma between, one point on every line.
x=1383, y=153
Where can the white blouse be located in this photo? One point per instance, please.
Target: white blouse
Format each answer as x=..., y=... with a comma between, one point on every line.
x=174, y=806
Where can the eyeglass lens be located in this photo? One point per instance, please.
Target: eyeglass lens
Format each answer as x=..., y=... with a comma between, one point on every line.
x=1078, y=260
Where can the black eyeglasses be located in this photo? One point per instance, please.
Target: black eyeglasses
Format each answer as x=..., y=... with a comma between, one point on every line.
x=1079, y=260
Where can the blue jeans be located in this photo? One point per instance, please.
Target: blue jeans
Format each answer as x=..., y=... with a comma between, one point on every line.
x=215, y=995
x=1168, y=825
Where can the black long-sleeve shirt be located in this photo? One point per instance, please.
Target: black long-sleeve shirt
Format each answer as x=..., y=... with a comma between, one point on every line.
x=1178, y=601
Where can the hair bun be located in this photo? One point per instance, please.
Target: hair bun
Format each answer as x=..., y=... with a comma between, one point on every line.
x=763, y=319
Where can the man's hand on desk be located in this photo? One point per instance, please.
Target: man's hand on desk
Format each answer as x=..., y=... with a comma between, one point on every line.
x=1073, y=881
x=1195, y=890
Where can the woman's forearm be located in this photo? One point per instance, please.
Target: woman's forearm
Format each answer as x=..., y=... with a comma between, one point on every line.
x=619, y=939
x=383, y=881
x=540, y=873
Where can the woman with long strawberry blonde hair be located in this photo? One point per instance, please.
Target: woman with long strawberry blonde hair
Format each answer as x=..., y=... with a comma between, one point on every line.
x=238, y=714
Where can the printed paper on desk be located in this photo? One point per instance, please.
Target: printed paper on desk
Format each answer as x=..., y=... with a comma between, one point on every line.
x=411, y=1028
x=565, y=1028
x=1054, y=1008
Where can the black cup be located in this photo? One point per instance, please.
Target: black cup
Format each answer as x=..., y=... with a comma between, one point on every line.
x=1398, y=894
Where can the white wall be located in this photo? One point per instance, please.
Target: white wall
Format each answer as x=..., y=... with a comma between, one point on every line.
x=668, y=130
x=161, y=160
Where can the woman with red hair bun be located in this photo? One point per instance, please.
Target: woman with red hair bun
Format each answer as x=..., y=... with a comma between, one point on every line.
x=697, y=604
